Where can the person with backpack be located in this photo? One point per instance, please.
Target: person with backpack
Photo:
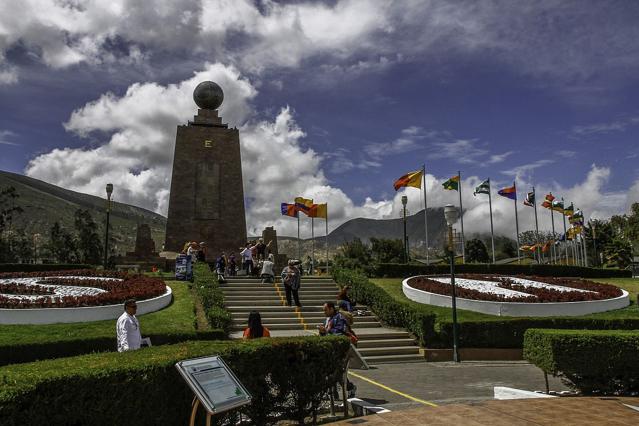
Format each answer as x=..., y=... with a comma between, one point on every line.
x=291, y=280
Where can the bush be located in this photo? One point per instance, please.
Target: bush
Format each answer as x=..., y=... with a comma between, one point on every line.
x=287, y=378
x=388, y=309
x=397, y=270
x=33, y=267
x=595, y=361
x=211, y=296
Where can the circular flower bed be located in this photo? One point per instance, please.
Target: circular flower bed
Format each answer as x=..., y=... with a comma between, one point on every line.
x=517, y=296
x=70, y=289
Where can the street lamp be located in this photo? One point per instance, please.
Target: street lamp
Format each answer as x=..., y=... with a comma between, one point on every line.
x=109, y=191
x=593, y=226
x=404, y=202
x=452, y=214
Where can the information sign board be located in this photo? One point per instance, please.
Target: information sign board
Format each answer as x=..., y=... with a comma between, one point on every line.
x=183, y=268
x=213, y=383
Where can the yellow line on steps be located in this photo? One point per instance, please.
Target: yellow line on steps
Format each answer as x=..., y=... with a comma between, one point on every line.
x=373, y=382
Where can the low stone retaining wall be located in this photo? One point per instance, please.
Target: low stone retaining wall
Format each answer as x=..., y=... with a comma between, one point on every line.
x=84, y=314
x=515, y=309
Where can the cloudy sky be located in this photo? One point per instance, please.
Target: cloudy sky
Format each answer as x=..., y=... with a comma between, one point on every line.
x=334, y=100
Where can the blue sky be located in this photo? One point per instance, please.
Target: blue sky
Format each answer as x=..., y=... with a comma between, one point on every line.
x=334, y=100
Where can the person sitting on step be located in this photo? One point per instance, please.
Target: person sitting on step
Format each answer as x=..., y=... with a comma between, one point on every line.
x=255, y=329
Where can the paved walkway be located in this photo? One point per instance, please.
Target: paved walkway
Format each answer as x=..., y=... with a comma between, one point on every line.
x=445, y=382
x=551, y=411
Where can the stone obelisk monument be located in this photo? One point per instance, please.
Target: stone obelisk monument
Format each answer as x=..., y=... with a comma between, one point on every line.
x=207, y=197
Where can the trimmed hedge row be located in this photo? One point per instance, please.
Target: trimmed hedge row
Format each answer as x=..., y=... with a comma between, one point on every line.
x=34, y=267
x=594, y=361
x=287, y=378
x=388, y=309
x=211, y=296
x=394, y=270
x=433, y=325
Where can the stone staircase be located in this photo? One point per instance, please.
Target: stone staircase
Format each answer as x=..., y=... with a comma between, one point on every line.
x=377, y=344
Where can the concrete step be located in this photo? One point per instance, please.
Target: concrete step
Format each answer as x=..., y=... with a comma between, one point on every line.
x=382, y=359
x=383, y=343
x=383, y=334
x=267, y=321
x=272, y=327
x=320, y=317
x=273, y=314
x=388, y=350
x=272, y=308
x=268, y=291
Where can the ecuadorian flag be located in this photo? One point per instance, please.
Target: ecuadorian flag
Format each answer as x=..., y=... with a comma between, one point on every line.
x=413, y=179
x=509, y=192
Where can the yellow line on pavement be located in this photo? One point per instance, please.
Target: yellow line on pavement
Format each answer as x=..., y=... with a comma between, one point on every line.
x=373, y=382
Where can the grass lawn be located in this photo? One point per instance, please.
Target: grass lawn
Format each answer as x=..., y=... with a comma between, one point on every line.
x=393, y=286
x=178, y=317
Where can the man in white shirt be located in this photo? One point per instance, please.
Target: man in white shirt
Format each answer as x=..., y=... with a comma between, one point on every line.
x=128, y=328
x=247, y=258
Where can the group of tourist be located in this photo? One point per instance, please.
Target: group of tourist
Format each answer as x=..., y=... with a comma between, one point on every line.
x=197, y=251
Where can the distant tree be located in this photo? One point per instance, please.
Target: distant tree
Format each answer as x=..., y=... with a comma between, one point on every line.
x=354, y=255
x=505, y=247
x=387, y=250
x=89, y=242
x=528, y=238
x=476, y=251
x=8, y=209
x=62, y=245
x=618, y=252
x=10, y=238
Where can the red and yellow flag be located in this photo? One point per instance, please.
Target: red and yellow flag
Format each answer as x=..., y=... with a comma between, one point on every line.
x=413, y=179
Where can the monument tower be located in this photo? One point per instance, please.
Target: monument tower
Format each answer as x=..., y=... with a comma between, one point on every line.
x=207, y=197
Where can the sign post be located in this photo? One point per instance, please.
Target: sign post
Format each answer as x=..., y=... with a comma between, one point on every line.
x=214, y=385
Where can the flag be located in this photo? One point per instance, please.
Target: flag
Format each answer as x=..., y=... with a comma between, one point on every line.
x=568, y=211
x=413, y=179
x=303, y=204
x=318, y=210
x=577, y=218
x=527, y=248
x=547, y=246
x=508, y=192
x=548, y=201
x=530, y=199
x=452, y=184
x=558, y=206
x=289, y=209
x=483, y=188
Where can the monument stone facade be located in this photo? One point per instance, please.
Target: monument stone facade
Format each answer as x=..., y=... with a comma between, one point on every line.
x=206, y=203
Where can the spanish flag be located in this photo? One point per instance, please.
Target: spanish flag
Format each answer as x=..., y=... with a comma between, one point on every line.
x=289, y=209
x=318, y=210
x=413, y=179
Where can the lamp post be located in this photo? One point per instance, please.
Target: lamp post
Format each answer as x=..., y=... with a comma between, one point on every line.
x=404, y=202
x=452, y=214
x=109, y=191
x=593, y=226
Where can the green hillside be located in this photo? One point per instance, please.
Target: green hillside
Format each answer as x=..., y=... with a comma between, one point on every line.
x=44, y=204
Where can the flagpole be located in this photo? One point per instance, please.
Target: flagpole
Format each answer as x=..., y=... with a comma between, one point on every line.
x=312, y=245
x=553, y=251
x=490, y=207
x=536, y=225
x=565, y=235
x=326, y=238
x=461, y=215
x=425, y=214
x=517, y=223
x=299, y=242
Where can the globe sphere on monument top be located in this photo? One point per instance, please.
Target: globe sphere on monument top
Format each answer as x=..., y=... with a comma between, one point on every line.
x=208, y=95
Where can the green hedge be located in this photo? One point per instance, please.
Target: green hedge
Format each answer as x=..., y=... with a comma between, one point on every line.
x=402, y=270
x=211, y=296
x=287, y=378
x=433, y=325
x=35, y=267
x=388, y=309
x=595, y=361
